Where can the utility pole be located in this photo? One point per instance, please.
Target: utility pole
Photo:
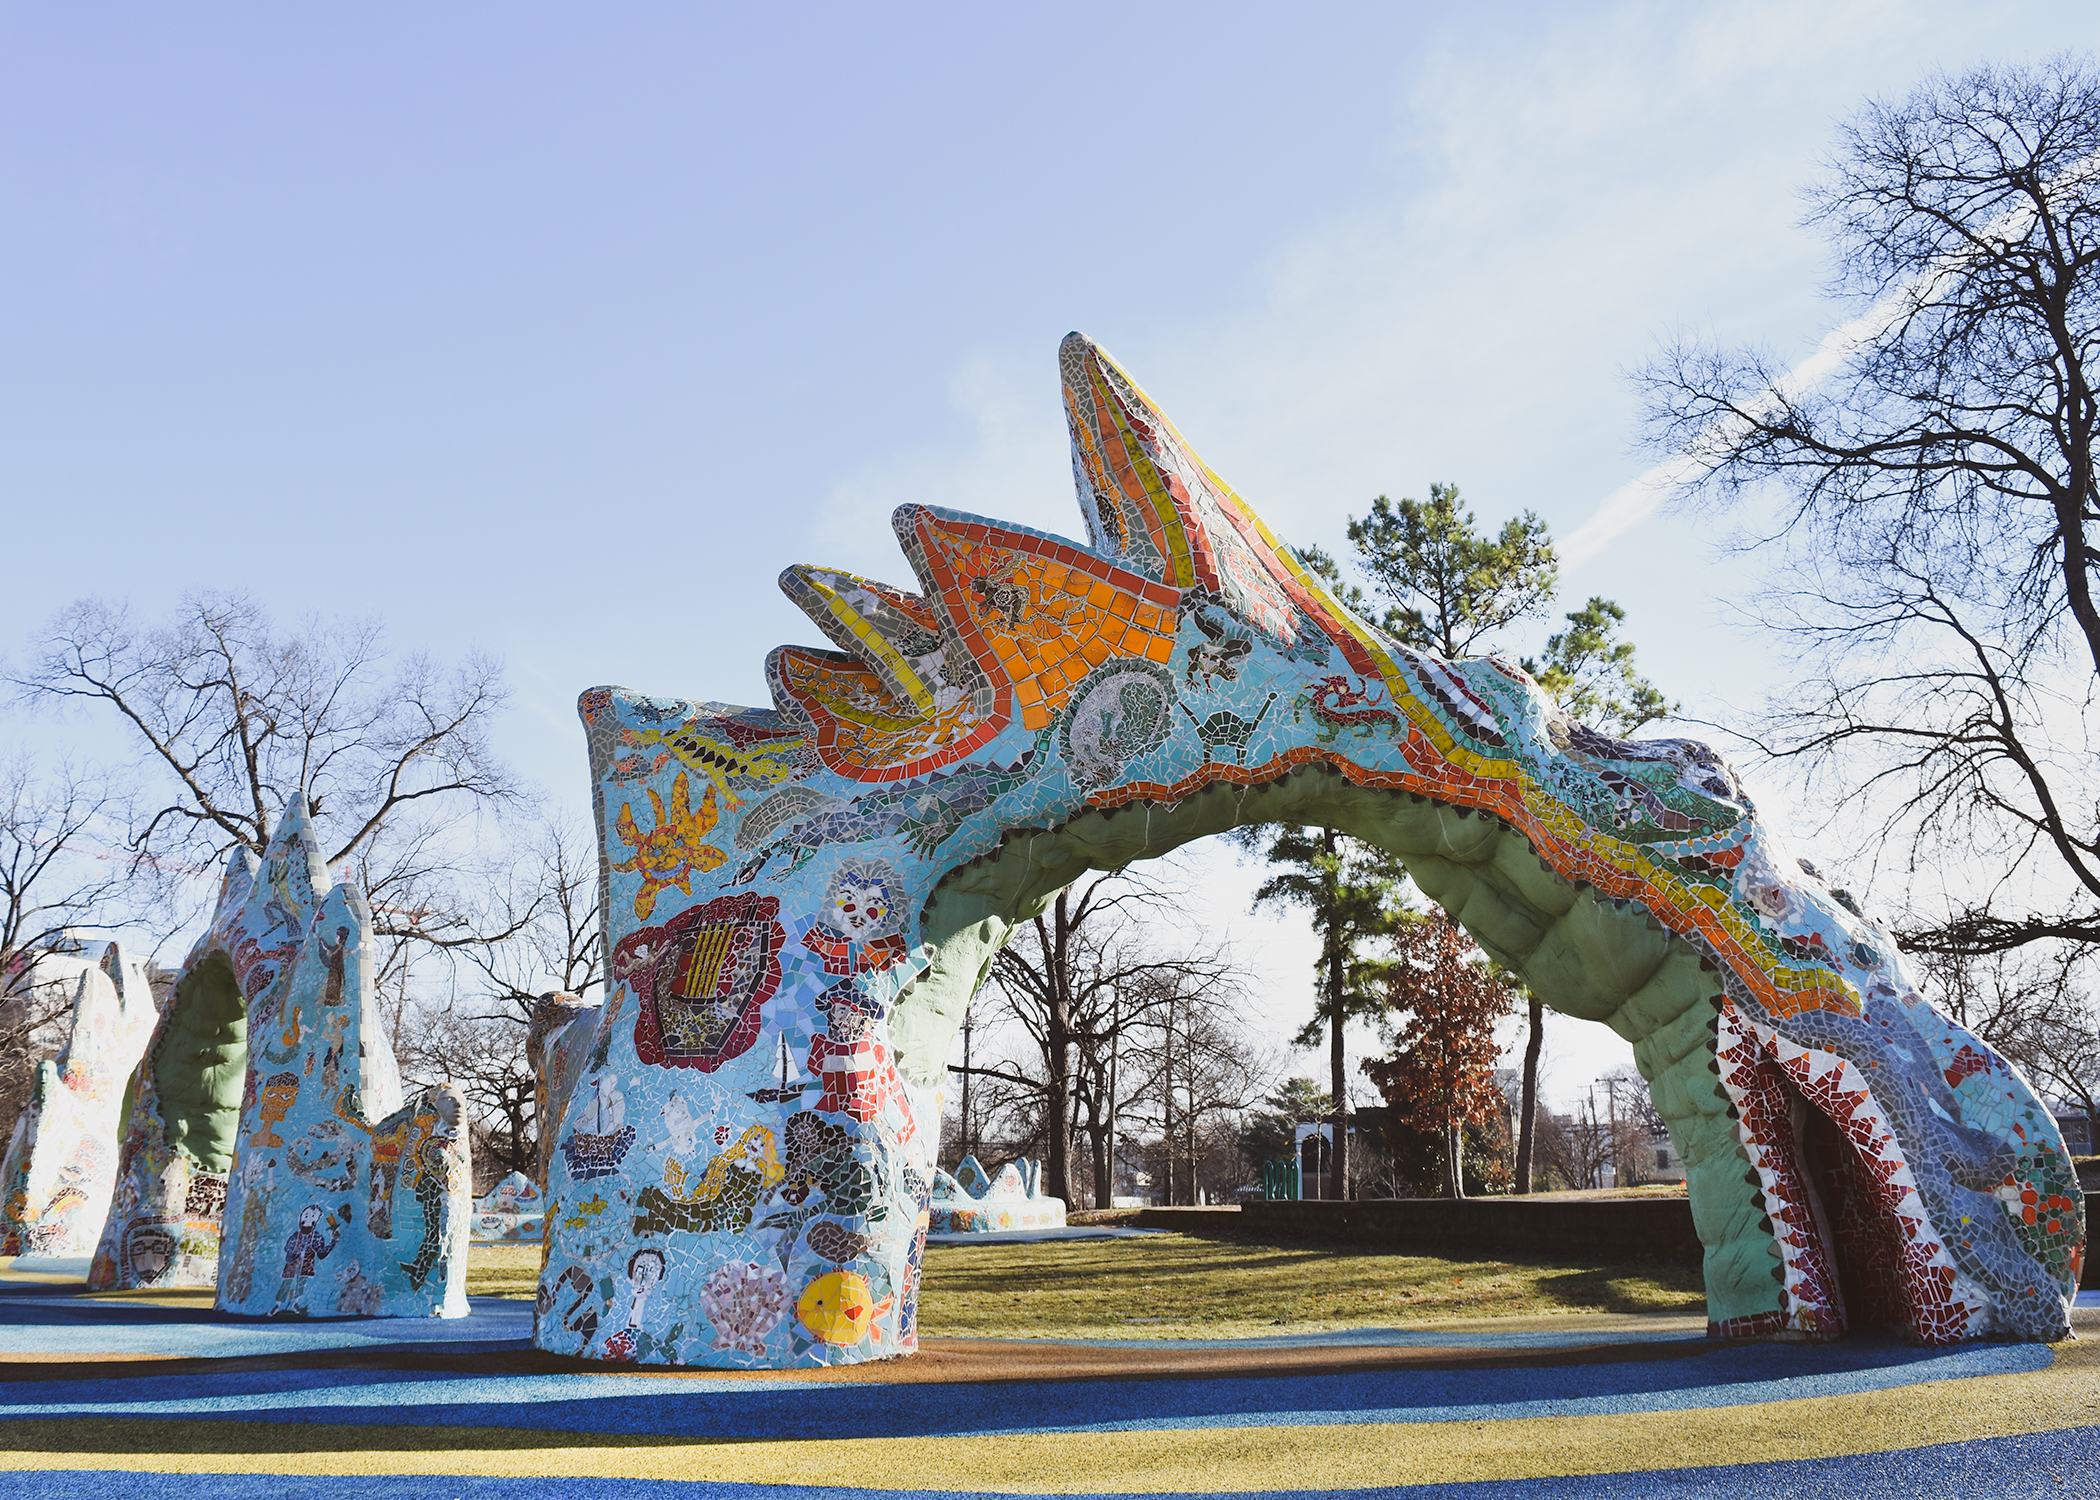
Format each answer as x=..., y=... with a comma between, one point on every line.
x=1611, y=1131
x=969, y=1024
x=1611, y=1097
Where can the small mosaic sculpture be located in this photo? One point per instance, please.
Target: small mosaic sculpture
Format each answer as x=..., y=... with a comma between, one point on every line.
x=510, y=1214
x=975, y=1201
x=61, y=1163
x=255, y=1108
x=801, y=900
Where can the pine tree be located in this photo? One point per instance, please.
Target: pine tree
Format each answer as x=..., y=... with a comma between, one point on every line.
x=1447, y=587
x=1356, y=896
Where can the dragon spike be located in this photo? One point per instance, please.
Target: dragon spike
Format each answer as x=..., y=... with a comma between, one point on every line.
x=112, y=966
x=292, y=863
x=1153, y=505
x=1035, y=611
x=894, y=633
x=1131, y=511
x=1010, y=620
x=237, y=884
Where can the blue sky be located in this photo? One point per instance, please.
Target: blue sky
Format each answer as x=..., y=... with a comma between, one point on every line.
x=558, y=333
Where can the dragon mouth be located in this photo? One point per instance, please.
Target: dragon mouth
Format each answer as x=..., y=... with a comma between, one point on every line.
x=1838, y=1196
x=1857, y=1243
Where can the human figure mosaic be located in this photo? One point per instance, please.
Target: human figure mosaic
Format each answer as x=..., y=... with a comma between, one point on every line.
x=801, y=900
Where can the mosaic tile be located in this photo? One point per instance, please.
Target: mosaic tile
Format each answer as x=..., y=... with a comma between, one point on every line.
x=60, y=1170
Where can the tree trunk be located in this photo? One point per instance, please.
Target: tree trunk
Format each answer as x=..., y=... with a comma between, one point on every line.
x=1338, y=1159
x=1057, y=1112
x=1105, y=1183
x=1454, y=1162
x=1096, y=1128
x=1529, y=1107
x=1167, y=1127
x=967, y=1148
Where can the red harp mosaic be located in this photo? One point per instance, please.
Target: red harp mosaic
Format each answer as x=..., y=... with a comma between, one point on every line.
x=701, y=980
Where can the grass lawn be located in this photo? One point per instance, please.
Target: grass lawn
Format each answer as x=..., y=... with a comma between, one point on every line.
x=503, y=1271
x=1183, y=1286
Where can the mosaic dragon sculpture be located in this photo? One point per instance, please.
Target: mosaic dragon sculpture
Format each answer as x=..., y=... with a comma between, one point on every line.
x=61, y=1164
x=267, y=1150
x=802, y=899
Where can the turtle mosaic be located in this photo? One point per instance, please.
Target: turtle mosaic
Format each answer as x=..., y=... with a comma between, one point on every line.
x=1040, y=708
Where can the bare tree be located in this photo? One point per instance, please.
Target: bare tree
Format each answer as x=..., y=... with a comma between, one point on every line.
x=1634, y=1121
x=484, y=1058
x=50, y=880
x=2034, y=1007
x=51, y=884
x=1047, y=975
x=1939, y=495
x=550, y=902
x=1078, y=981
x=1577, y=1146
x=1199, y=1075
x=230, y=719
x=543, y=892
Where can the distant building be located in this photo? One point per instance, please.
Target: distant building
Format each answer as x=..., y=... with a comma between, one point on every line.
x=1663, y=1164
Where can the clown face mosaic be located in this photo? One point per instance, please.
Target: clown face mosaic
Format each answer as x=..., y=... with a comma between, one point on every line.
x=802, y=898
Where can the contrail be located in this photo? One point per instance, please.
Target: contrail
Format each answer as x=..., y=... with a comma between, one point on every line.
x=1631, y=503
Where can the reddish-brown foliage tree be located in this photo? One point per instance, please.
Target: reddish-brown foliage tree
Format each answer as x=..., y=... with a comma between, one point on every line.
x=1441, y=1075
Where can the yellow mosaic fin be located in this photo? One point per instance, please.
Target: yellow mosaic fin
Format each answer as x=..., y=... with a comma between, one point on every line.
x=892, y=632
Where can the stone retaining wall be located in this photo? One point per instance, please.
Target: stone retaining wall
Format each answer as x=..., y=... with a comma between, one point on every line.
x=1586, y=1229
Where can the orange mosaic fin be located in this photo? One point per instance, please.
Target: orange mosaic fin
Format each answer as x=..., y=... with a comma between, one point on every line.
x=1011, y=619
x=1033, y=610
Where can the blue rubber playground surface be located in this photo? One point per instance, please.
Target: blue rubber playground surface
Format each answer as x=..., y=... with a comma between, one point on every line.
x=142, y=1396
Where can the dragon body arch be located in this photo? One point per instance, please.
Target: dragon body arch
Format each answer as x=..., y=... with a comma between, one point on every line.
x=782, y=1001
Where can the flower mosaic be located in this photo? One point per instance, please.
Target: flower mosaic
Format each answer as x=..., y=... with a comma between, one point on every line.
x=755, y=1109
